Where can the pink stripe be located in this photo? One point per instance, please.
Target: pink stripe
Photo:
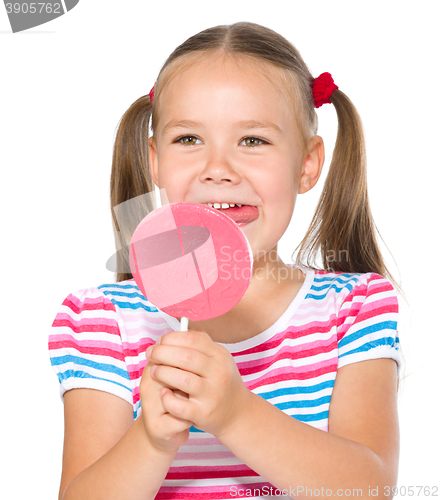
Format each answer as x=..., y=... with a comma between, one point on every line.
x=79, y=303
x=303, y=313
x=135, y=392
x=103, y=344
x=135, y=349
x=140, y=330
x=97, y=327
x=291, y=333
x=368, y=291
x=88, y=349
x=207, y=492
x=191, y=468
x=293, y=373
x=95, y=304
x=201, y=441
x=208, y=473
x=298, y=351
x=316, y=348
x=135, y=371
x=88, y=321
x=145, y=316
x=207, y=455
x=367, y=313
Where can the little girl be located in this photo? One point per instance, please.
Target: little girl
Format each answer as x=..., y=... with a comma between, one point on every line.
x=293, y=392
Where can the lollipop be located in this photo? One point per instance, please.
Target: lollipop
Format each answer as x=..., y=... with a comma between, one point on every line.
x=191, y=261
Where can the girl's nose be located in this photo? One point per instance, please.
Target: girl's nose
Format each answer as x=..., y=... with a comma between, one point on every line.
x=218, y=169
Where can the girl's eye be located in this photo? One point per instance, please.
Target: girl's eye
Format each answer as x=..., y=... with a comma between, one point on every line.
x=253, y=141
x=188, y=140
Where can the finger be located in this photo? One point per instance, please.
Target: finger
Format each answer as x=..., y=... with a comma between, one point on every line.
x=181, y=395
x=171, y=425
x=176, y=406
x=177, y=379
x=179, y=357
x=193, y=339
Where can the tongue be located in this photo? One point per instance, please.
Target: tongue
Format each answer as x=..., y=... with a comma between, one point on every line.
x=241, y=215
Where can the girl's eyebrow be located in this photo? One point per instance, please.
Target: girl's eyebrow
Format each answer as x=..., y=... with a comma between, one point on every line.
x=268, y=125
x=246, y=124
x=181, y=124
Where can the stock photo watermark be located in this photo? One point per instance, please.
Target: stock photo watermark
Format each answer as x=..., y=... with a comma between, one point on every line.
x=373, y=491
x=231, y=269
x=266, y=264
x=24, y=15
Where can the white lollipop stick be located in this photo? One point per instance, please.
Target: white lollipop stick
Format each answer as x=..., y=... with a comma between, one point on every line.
x=183, y=324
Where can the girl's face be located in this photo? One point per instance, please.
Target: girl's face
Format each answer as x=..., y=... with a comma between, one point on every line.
x=227, y=134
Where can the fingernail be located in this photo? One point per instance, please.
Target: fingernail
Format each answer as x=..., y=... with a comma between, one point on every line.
x=158, y=340
x=153, y=369
x=148, y=352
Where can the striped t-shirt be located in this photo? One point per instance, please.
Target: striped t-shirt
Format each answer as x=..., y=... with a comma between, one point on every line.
x=99, y=338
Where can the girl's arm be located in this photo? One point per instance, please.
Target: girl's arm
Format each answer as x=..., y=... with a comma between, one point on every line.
x=106, y=453
x=357, y=455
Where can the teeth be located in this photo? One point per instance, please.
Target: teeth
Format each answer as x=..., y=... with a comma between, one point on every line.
x=223, y=205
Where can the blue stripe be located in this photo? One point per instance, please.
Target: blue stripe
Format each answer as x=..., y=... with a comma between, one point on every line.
x=137, y=409
x=105, y=367
x=311, y=418
x=132, y=286
x=384, y=325
x=324, y=295
x=193, y=429
x=322, y=285
x=304, y=403
x=371, y=345
x=80, y=374
x=342, y=278
x=333, y=285
x=285, y=391
x=136, y=305
x=135, y=295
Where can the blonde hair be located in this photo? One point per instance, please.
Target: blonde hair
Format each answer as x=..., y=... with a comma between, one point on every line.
x=342, y=226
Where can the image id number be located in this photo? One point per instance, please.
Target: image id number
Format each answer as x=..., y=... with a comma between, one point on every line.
x=411, y=491
x=33, y=8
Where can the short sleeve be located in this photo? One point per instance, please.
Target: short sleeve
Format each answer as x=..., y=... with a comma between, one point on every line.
x=85, y=345
x=367, y=322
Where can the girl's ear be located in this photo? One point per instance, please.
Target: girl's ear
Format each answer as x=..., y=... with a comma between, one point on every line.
x=152, y=160
x=312, y=164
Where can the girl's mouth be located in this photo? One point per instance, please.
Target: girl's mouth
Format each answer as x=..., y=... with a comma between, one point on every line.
x=241, y=215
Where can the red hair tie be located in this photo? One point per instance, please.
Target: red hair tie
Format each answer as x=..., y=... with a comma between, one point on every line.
x=323, y=88
x=151, y=94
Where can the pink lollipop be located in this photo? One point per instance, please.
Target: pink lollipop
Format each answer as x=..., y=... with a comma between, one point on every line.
x=190, y=261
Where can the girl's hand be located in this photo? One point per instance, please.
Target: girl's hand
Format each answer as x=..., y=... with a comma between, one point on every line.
x=165, y=432
x=192, y=363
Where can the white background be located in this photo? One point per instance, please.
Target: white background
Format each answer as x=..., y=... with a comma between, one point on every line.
x=64, y=87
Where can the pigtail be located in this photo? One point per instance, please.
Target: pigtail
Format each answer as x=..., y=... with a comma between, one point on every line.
x=130, y=178
x=343, y=229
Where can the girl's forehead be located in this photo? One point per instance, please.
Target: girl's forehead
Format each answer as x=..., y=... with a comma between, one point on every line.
x=225, y=77
x=225, y=65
